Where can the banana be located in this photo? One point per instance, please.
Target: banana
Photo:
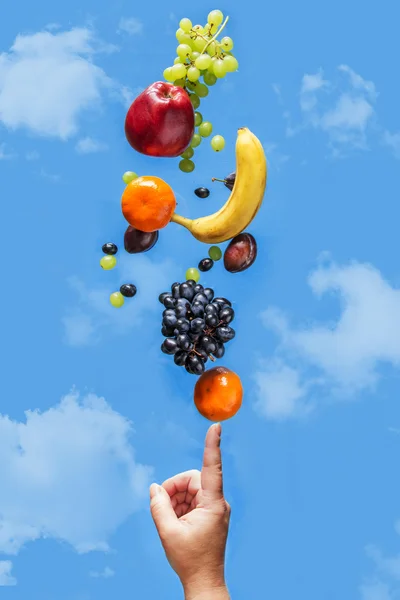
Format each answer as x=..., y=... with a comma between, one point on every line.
x=245, y=200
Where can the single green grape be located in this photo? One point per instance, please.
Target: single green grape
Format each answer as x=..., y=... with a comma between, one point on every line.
x=218, y=143
x=196, y=140
x=201, y=90
x=117, y=300
x=215, y=17
x=195, y=100
x=193, y=74
x=168, y=74
x=188, y=153
x=187, y=166
x=129, y=176
x=209, y=78
x=191, y=85
x=227, y=43
x=199, y=29
x=203, y=62
x=182, y=37
x=178, y=60
x=192, y=273
x=215, y=253
x=212, y=49
x=179, y=71
x=180, y=83
x=195, y=55
x=213, y=29
x=211, y=67
x=205, y=129
x=108, y=262
x=219, y=68
x=185, y=25
x=199, y=44
x=231, y=64
x=184, y=50
x=198, y=118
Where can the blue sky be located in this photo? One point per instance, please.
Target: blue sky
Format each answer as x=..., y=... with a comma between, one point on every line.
x=91, y=411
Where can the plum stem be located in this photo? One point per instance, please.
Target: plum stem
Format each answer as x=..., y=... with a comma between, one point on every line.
x=221, y=180
x=215, y=36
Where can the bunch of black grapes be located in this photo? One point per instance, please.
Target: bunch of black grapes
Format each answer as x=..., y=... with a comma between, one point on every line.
x=195, y=324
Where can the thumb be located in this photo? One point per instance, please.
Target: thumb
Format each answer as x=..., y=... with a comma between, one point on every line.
x=163, y=514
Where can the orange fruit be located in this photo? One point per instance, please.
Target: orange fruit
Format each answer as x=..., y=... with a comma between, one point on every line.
x=218, y=394
x=148, y=203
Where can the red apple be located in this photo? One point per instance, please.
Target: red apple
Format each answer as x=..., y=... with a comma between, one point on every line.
x=160, y=122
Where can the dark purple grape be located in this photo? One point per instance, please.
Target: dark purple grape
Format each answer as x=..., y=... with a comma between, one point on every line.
x=182, y=325
x=110, y=249
x=212, y=309
x=240, y=253
x=220, y=350
x=186, y=291
x=198, y=288
x=201, y=298
x=180, y=358
x=191, y=282
x=162, y=297
x=169, y=346
x=207, y=343
x=211, y=320
x=202, y=192
x=197, y=325
x=169, y=302
x=128, y=290
x=225, y=334
x=194, y=336
x=203, y=354
x=195, y=364
x=181, y=311
x=175, y=290
x=209, y=293
x=197, y=309
x=184, y=342
x=222, y=301
x=167, y=331
x=136, y=241
x=205, y=265
x=227, y=314
x=170, y=321
x=168, y=311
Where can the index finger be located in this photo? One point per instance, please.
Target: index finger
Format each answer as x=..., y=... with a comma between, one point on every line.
x=211, y=472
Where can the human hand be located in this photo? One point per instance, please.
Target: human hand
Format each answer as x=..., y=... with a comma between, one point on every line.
x=192, y=519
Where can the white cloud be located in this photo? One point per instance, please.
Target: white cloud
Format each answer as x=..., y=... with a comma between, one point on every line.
x=130, y=25
x=48, y=80
x=376, y=590
x=389, y=565
x=344, y=109
x=68, y=473
x=105, y=574
x=346, y=353
x=279, y=391
x=84, y=323
x=6, y=578
x=393, y=141
x=34, y=155
x=88, y=145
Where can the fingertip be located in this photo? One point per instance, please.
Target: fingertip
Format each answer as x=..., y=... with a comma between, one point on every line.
x=154, y=490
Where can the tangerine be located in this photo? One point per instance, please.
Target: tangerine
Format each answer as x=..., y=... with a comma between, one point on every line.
x=148, y=203
x=218, y=394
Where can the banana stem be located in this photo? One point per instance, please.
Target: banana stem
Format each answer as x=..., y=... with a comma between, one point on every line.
x=181, y=220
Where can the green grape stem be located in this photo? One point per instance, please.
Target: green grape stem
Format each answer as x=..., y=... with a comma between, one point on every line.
x=215, y=36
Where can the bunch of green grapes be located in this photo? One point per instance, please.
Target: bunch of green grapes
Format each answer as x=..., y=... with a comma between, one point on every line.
x=202, y=59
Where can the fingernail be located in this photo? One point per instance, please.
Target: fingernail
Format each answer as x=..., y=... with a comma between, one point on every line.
x=155, y=489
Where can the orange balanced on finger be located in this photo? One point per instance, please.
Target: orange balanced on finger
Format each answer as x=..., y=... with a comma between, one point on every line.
x=148, y=203
x=218, y=394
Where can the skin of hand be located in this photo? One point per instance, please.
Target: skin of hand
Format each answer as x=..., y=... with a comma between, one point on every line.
x=192, y=519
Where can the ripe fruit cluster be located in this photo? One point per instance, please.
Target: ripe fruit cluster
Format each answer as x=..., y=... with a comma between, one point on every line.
x=201, y=54
x=196, y=325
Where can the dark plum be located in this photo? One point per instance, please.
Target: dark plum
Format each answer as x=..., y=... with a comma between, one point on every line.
x=240, y=253
x=136, y=241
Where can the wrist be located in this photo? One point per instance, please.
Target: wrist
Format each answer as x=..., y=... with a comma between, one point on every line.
x=203, y=590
